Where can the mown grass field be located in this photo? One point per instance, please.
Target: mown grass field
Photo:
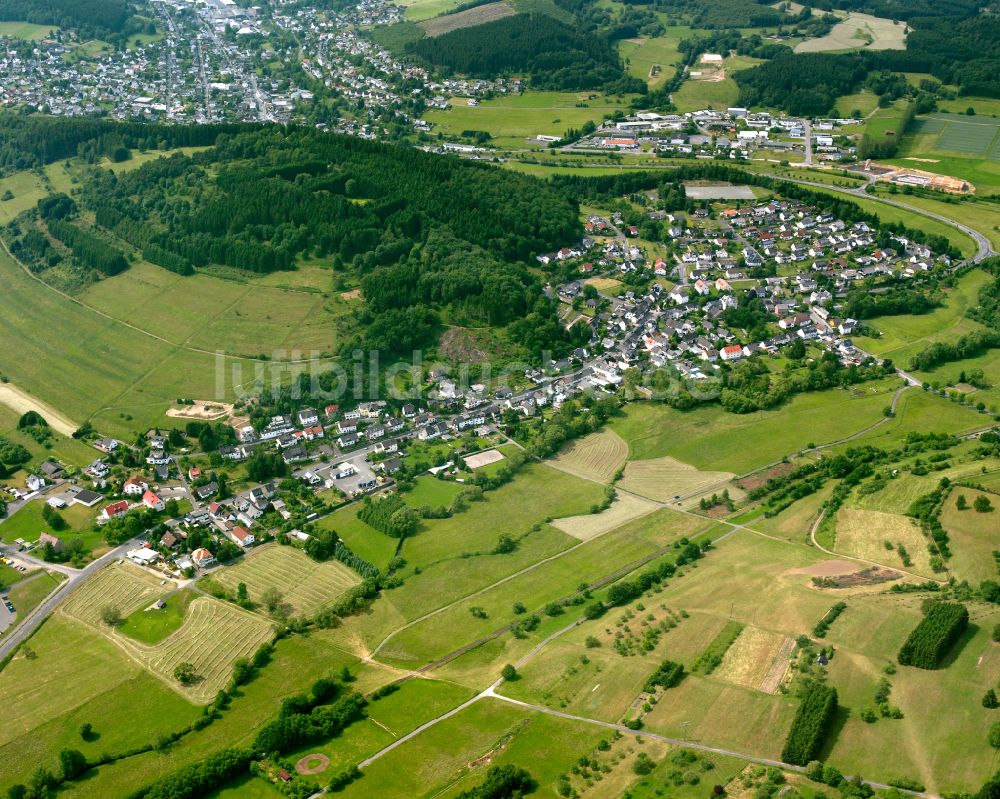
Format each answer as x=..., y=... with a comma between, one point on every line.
x=26, y=30
x=305, y=585
x=973, y=536
x=67, y=450
x=513, y=119
x=624, y=509
x=27, y=523
x=214, y=635
x=710, y=438
x=594, y=457
x=664, y=479
x=121, y=586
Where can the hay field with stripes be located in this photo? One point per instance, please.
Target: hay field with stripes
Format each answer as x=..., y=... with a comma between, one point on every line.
x=121, y=586
x=594, y=457
x=214, y=633
x=305, y=585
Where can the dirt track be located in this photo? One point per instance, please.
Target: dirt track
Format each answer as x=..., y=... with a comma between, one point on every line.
x=21, y=402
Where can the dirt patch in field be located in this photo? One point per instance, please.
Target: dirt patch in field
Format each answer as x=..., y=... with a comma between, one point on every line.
x=354, y=294
x=312, y=764
x=479, y=15
x=872, y=576
x=761, y=478
x=624, y=509
x=21, y=402
x=204, y=410
x=481, y=459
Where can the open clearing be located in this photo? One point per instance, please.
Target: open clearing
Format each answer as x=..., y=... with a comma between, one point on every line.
x=859, y=32
x=863, y=533
x=469, y=18
x=305, y=585
x=754, y=657
x=594, y=457
x=624, y=509
x=974, y=536
x=664, y=479
x=26, y=30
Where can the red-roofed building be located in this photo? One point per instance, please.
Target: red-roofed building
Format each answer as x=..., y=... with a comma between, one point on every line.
x=152, y=501
x=731, y=353
x=242, y=536
x=115, y=509
x=194, y=473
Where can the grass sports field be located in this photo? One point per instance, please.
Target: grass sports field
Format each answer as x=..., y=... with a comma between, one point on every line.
x=594, y=457
x=512, y=120
x=305, y=585
x=956, y=144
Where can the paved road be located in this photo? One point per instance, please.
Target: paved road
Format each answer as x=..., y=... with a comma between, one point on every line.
x=74, y=579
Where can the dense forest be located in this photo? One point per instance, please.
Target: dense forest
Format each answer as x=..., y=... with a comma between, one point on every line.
x=90, y=15
x=804, y=84
x=552, y=54
x=31, y=141
x=957, y=50
x=432, y=240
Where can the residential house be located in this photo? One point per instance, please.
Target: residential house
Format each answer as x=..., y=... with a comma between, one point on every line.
x=135, y=486
x=152, y=501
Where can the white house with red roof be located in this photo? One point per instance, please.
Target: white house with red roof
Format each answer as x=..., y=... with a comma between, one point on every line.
x=135, y=486
x=194, y=473
x=114, y=510
x=203, y=558
x=242, y=536
x=152, y=501
x=731, y=353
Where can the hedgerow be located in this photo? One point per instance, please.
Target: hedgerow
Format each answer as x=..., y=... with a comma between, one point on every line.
x=934, y=636
x=812, y=720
